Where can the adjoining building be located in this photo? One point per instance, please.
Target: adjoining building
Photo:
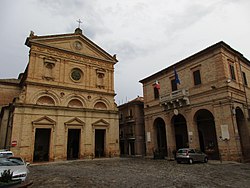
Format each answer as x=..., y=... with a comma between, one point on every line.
x=62, y=106
x=132, y=130
x=200, y=102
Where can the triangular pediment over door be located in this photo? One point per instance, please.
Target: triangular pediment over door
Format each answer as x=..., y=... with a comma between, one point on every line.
x=43, y=122
x=101, y=123
x=74, y=123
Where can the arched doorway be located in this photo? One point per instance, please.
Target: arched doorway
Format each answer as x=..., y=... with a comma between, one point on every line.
x=160, y=130
x=243, y=133
x=180, y=129
x=207, y=133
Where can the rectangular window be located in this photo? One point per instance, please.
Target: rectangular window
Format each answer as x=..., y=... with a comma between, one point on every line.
x=197, y=77
x=174, y=85
x=130, y=113
x=232, y=72
x=156, y=93
x=244, y=78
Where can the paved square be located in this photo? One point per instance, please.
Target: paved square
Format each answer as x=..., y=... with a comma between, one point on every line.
x=134, y=172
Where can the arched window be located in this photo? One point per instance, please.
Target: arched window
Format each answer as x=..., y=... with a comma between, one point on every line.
x=75, y=103
x=45, y=100
x=100, y=105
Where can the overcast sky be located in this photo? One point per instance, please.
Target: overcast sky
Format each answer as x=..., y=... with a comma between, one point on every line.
x=146, y=35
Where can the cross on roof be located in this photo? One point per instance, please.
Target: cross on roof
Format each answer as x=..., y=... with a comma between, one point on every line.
x=79, y=23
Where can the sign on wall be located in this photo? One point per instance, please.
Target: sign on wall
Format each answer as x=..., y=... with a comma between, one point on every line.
x=13, y=143
x=224, y=132
x=148, y=137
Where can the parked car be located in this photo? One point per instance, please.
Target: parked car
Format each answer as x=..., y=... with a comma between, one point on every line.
x=6, y=153
x=16, y=165
x=190, y=155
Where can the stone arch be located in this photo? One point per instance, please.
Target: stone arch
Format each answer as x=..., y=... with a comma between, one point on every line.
x=75, y=101
x=243, y=133
x=207, y=133
x=160, y=135
x=100, y=105
x=180, y=129
x=101, y=102
x=46, y=98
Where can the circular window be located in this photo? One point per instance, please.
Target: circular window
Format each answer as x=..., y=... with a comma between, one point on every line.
x=77, y=45
x=76, y=74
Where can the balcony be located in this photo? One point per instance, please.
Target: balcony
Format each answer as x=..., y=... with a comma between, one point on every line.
x=130, y=119
x=130, y=136
x=127, y=136
x=175, y=99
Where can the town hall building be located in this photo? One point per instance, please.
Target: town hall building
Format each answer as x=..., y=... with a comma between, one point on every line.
x=201, y=102
x=62, y=106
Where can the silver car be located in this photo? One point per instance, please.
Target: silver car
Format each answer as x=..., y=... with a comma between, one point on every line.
x=190, y=155
x=16, y=165
x=6, y=153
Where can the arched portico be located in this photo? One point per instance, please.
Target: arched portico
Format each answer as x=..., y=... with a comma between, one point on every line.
x=160, y=134
x=207, y=133
x=180, y=129
x=243, y=133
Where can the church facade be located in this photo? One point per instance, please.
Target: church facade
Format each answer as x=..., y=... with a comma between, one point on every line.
x=200, y=102
x=62, y=106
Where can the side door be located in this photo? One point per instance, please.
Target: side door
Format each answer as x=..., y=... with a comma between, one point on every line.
x=199, y=155
x=192, y=154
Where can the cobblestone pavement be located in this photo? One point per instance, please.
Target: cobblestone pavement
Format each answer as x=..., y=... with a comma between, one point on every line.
x=134, y=172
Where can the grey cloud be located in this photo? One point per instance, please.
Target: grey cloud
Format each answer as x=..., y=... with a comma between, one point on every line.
x=191, y=15
x=96, y=27
x=126, y=49
x=92, y=21
x=146, y=35
x=63, y=7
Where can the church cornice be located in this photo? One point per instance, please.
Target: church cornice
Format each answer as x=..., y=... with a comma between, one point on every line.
x=69, y=88
x=72, y=58
x=44, y=107
x=63, y=53
x=14, y=82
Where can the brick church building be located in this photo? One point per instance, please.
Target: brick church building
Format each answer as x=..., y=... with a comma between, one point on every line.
x=62, y=106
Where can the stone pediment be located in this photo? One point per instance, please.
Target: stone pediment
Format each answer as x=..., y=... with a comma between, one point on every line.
x=76, y=43
x=100, y=123
x=74, y=121
x=44, y=121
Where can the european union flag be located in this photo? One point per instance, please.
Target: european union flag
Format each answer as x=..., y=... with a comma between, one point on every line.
x=177, y=80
